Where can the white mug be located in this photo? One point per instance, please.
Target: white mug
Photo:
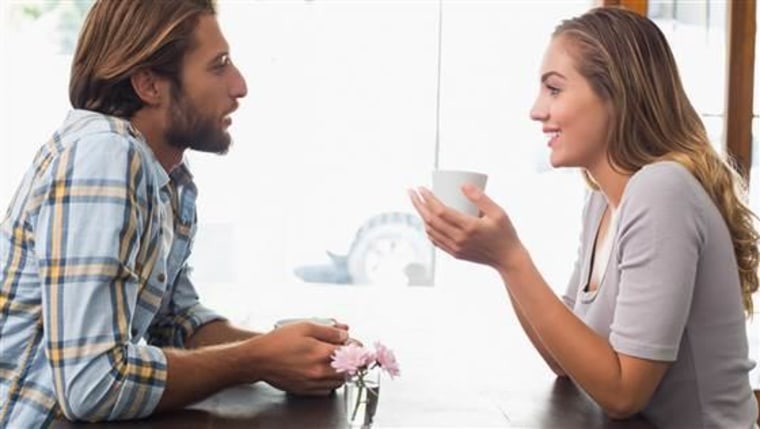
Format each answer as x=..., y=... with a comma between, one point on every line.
x=318, y=320
x=447, y=187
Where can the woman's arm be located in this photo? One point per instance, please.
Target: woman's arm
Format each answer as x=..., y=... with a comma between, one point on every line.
x=535, y=340
x=621, y=384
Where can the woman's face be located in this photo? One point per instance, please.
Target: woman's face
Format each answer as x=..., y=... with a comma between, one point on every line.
x=574, y=118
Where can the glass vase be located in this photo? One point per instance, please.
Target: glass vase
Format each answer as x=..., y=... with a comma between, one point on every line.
x=361, y=394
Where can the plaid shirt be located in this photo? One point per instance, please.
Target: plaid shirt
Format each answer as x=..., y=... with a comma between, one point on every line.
x=90, y=286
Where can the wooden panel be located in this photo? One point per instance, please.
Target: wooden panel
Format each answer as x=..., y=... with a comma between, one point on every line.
x=639, y=6
x=740, y=86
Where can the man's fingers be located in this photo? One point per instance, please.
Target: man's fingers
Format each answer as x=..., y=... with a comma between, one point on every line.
x=340, y=325
x=328, y=334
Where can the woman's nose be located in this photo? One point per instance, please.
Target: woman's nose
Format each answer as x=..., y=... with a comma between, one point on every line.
x=538, y=112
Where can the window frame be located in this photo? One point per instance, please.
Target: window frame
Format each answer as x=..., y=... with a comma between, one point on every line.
x=740, y=63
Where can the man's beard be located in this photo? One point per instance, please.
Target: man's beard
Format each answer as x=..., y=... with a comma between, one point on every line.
x=189, y=129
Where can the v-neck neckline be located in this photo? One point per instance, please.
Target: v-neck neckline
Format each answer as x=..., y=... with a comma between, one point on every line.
x=589, y=294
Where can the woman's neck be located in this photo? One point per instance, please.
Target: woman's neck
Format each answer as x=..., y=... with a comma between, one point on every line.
x=611, y=183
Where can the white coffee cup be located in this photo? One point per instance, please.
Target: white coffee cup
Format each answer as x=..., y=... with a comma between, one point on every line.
x=447, y=187
x=318, y=320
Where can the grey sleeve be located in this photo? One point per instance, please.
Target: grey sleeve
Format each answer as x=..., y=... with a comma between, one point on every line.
x=660, y=236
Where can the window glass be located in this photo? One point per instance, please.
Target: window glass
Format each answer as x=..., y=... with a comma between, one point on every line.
x=340, y=120
x=696, y=32
x=36, y=43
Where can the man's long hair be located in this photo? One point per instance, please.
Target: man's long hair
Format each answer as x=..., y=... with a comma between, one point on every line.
x=121, y=37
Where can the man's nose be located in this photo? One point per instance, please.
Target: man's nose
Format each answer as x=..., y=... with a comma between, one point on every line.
x=239, y=88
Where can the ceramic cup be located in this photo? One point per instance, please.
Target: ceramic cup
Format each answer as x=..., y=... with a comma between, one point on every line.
x=318, y=320
x=447, y=187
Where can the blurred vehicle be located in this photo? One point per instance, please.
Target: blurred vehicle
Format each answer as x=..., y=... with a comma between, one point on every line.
x=389, y=248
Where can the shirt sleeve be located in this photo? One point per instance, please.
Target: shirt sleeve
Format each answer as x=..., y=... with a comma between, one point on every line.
x=660, y=239
x=88, y=226
x=184, y=315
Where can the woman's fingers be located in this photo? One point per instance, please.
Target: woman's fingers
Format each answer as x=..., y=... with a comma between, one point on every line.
x=442, y=242
x=436, y=216
x=451, y=216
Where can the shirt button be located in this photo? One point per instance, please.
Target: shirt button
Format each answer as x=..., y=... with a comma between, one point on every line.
x=161, y=277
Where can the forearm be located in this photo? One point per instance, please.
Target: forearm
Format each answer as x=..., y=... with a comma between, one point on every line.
x=293, y=358
x=585, y=356
x=193, y=375
x=216, y=333
x=216, y=359
x=535, y=340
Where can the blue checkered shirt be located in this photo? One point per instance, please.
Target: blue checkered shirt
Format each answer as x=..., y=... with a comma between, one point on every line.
x=91, y=289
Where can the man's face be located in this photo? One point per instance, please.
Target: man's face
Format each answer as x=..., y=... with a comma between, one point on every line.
x=199, y=111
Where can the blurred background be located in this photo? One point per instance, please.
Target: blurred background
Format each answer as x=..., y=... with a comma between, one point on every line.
x=350, y=104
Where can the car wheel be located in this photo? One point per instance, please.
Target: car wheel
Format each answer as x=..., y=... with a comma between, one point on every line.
x=391, y=248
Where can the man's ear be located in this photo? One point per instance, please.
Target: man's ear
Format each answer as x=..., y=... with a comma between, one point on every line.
x=149, y=87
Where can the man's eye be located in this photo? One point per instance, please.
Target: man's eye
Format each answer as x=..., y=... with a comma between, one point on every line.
x=223, y=62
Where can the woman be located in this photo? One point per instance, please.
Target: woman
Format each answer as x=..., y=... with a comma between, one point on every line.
x=653, y=317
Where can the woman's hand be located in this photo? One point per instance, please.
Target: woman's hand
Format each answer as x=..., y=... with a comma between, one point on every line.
x=490, y=239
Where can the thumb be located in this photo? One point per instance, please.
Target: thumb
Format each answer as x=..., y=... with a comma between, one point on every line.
x=481, y=200
x=329, y=334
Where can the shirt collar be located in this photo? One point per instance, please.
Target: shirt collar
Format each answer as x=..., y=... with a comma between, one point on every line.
x=181, y=174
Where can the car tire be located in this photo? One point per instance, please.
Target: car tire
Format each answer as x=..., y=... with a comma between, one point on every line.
x=391, y=248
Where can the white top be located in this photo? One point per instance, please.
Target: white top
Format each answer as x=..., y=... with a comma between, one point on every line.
x=602, y=254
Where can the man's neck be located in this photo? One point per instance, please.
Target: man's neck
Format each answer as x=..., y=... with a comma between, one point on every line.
x=167, y=155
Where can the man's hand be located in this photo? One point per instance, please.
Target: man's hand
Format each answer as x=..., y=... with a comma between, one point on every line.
x=296, y=357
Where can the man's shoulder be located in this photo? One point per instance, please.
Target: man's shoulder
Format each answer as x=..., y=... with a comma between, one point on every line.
x=92, y=146
x=92, y=137
x=87, y=125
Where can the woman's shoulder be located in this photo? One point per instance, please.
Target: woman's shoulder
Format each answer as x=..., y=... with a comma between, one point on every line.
x=664, y=180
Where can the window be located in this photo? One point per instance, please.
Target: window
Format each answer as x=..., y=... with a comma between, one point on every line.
x=340, y=120
x=696, y=32
x=36, y=43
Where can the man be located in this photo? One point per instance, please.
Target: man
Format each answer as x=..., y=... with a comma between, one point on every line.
x=98, y=318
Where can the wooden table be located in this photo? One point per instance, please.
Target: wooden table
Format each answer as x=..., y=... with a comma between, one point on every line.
x=558, y=404
x=478, y=372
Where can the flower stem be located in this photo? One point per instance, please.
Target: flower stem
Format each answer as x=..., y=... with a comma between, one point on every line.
x=360, y=386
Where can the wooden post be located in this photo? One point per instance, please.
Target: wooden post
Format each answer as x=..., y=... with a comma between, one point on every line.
x=638, y=6
x=740, y=59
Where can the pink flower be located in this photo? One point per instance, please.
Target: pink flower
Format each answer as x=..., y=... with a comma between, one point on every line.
x=387, y=360
x=351, y=358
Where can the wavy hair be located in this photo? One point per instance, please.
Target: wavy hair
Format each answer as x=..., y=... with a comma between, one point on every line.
x=627, y=60
x=121, y=37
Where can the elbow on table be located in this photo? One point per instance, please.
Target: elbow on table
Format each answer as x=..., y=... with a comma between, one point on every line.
x=76, y=408
x=88, y=396
x=622, y=408
x=559, y=372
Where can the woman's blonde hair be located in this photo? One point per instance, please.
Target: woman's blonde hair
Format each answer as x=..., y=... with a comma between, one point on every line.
x=628, y=63
x=120, y=37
